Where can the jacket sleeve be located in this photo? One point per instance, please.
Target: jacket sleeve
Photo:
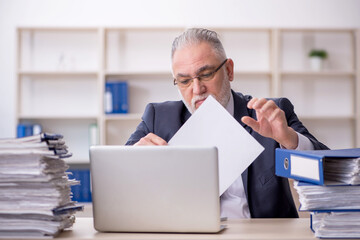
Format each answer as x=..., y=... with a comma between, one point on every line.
x=146, y=125
x=296, y=124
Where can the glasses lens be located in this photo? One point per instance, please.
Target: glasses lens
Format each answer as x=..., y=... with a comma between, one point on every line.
x=183, y=82
x=207, y=76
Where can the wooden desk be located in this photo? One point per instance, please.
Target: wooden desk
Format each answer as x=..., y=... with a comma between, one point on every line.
x=236, y=229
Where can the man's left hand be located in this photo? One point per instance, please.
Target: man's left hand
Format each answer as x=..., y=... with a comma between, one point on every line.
x=271, y=122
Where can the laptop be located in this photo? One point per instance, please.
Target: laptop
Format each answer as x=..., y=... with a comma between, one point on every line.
x=155, y=189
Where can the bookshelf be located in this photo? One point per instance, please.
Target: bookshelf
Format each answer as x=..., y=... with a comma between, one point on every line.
x=140, y=56
x=61, y=76
x=58, y=79
x=333, y=116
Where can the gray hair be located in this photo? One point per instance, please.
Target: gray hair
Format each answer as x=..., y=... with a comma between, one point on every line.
x=196, y=36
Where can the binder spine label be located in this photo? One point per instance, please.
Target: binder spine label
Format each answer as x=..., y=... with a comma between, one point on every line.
x=108, y=102
x=304, y=167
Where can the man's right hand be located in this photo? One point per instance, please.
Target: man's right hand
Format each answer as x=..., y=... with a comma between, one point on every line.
x=151, y=139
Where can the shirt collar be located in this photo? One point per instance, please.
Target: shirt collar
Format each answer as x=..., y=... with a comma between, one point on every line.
x=230, y=105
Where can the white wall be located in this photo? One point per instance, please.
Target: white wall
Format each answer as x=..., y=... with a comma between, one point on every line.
x=183, y=13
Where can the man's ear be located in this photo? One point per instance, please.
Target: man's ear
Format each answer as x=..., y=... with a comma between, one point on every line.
x=230, y=69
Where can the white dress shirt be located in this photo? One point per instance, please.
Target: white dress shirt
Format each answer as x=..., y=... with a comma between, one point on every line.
x=233, y=202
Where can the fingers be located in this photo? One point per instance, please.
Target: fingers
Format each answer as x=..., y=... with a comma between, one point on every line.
x=267, y=108
x=271, y=120
x=251, y=103
x=261, y=104
x=276, y=114
x=150, y=139
x=251, y=123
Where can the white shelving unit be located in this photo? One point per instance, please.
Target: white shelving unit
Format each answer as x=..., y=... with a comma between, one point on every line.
x=62, y=73
x=142, y=58
x=324, y=100
x=58, y=79
x=251, y=52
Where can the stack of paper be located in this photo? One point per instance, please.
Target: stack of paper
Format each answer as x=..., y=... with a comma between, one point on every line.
x=336, y=224
x=335, y=209
x=346, y=171
x=317, y=197
x=35, y=194
x=329, y=188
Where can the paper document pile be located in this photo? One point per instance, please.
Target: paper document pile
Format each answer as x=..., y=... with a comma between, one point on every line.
x=345, y=171
x=335, y=209
x=331, y=192
x=35, y=194
x=336, y=224
x=317, y=197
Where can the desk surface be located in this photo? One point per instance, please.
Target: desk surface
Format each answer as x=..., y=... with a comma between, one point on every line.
x=236, y=229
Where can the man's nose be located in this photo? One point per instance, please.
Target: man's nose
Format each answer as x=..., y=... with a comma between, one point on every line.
x=198, y=86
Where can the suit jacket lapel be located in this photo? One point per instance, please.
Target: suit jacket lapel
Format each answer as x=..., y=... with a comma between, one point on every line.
x=185, y=115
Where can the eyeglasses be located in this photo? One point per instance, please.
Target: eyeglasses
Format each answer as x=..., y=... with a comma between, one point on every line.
x=186, y=82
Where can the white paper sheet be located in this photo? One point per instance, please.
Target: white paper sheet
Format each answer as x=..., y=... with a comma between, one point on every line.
x=212, y=125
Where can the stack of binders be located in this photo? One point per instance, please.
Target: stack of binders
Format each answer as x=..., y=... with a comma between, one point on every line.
x=35, y=195
x=328, y=184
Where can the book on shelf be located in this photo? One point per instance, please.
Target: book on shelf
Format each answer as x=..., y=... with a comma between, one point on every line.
x=116, y=97
x=35, y=191
x=24, y=130
x=82, y=192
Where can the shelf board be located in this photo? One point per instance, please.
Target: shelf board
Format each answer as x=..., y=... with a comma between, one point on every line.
x=60, y=117
x=314, y=30
x=162, y=73
x=253, y=72
x=57, y=73
x=138, y=73
x=126, y=116
x=310, y=73
x=52, y=29
x=145, y=29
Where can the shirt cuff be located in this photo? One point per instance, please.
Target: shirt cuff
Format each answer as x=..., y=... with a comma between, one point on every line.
x=303, y=144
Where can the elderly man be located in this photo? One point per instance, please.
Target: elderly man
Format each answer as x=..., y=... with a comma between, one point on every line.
x=201, y=68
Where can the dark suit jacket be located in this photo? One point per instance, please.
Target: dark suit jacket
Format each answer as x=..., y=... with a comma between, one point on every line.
x=268, y=196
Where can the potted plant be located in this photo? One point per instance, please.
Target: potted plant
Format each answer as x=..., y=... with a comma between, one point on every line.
x=317, y=56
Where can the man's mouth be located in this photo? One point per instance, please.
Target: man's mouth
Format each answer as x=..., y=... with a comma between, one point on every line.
x=199, y=102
